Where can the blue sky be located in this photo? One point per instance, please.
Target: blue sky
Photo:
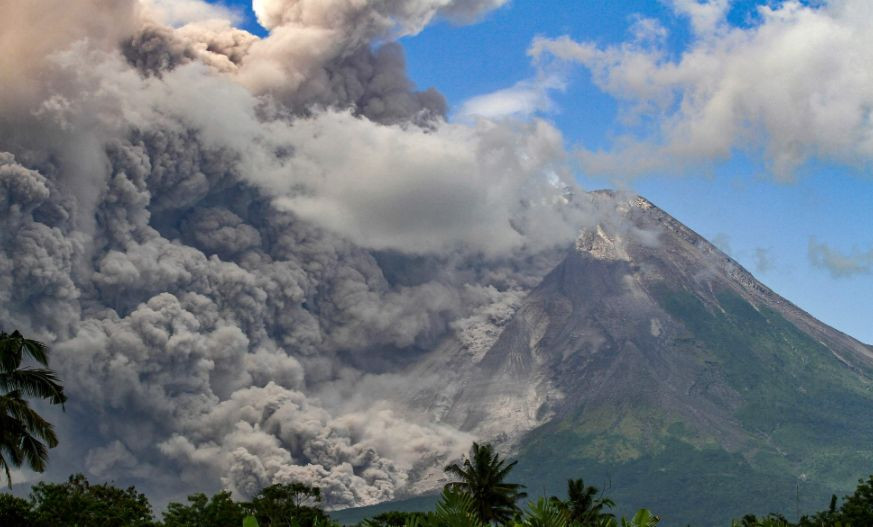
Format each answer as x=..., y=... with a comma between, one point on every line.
x=764, y=222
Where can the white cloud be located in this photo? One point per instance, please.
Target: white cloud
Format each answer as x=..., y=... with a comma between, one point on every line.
x=525, y=98
x=794, y=86
x=706, y=16
x=366, y=19
x=177, y=13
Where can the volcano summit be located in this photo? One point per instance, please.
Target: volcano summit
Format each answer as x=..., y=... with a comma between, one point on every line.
x=650, y=362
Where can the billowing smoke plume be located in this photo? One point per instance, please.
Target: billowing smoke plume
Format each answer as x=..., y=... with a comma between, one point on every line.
x=235, y=244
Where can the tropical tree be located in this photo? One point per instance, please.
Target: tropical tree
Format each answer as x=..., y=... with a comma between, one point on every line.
x=219, y=511
x=643, y=518
x=15, y=511
x=25, y=436
x=857, y=508
x=771, y=520
x=289, y=505
x=546, y=513
x=456, y=508
x=78, y=503
x=583, y=505
x=482, y=476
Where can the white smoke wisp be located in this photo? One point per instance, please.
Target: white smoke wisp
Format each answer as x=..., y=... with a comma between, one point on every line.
x=233, y=274
x=838, y=263
x=755, y=88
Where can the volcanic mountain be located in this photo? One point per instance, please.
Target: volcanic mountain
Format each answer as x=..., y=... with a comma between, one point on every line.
x=650, y=363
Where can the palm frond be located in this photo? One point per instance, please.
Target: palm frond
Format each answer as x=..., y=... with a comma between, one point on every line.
x=14, y=347
x=34, y=382
x=35, y=349
x=20, y=412
x=5, y=466
x=34, y=452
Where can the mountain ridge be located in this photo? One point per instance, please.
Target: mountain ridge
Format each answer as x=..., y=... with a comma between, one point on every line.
x=648, y=351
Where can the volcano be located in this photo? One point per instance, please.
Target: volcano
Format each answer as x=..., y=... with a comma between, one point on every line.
x=653, y=365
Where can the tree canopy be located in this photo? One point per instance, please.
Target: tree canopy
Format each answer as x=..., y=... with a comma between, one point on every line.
x=218, y=511
x=583, y=505
x=78, y=502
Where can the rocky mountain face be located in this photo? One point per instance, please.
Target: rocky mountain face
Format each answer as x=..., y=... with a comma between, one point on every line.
x=651, y=363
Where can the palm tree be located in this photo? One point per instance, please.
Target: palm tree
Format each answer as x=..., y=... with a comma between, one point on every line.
x=456, y=508
x=482, y=477
x=546, y=513
x=582, y=504
x=25, y=436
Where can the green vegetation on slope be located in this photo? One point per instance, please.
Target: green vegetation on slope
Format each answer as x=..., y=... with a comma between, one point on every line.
x=803, y=412
x=806, y=408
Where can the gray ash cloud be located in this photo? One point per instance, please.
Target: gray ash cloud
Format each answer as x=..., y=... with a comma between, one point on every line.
x=232, y=269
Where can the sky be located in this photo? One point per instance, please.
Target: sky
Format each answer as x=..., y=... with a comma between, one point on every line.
x=770, y=224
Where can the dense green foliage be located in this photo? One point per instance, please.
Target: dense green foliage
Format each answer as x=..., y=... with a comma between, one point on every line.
x=288, y=505
x=219, y=511
x=456, y=508
x=25, y=436
x=14, y=511
x=78, y=503
x=583, y=506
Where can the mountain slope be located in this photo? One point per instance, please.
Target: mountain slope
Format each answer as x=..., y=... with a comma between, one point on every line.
x=651, y=362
